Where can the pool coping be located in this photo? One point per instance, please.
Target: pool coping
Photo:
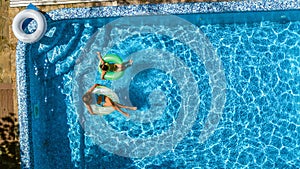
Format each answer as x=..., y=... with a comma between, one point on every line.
x=119, y=11
x=171, y=9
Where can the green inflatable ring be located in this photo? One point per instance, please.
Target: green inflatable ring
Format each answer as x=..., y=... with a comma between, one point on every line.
x=112, y=58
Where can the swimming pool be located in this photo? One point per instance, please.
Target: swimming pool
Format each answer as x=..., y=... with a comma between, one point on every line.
x=218, y=89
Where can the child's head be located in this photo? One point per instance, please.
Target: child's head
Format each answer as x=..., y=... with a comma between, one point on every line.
x=104, y=67
x=87, y=98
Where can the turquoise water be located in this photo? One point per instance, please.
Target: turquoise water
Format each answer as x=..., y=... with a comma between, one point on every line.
x=208, y=96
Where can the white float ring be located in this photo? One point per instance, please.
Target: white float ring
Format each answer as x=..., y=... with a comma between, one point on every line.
x=19, y=20
x=100, y=110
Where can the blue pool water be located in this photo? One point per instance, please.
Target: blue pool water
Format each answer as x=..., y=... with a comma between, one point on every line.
x=209, y=94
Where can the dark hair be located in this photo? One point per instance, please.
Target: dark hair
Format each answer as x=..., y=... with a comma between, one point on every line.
x=87, y=98
x=104, y=67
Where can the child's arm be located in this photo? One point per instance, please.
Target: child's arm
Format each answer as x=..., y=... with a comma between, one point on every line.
x=103, y=74
x=100, y=58
x=89, y=109
x=93, y=87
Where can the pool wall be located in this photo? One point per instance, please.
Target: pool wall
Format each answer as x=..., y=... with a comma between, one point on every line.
x=26, y=104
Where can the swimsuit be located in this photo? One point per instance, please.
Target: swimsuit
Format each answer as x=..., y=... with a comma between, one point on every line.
x=100, y=99
x=99, y=95
x=111, y=66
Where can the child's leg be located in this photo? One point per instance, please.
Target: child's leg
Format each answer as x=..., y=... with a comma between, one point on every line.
x=127, y=64
x=109, y=102
x=118, y=109
x=123, y=66
x=126, y=107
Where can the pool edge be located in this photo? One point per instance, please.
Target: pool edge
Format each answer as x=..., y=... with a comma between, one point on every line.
x=132, y=10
